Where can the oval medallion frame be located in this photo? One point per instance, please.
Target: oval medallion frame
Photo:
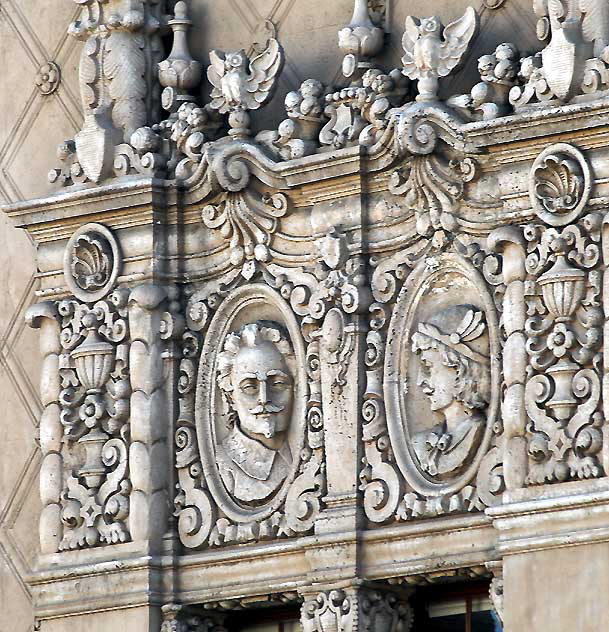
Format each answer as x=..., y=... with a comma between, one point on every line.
x=566, y=160
x=89, y=231
x=425, y=278
x=267, y=305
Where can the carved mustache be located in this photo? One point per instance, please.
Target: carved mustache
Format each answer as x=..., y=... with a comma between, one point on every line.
x=266, y=409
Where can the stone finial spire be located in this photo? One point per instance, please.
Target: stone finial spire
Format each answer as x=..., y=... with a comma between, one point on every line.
x=359, y=41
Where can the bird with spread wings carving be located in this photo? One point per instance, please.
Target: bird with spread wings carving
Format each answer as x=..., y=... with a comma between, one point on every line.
x=240, y=84
x=430, y=54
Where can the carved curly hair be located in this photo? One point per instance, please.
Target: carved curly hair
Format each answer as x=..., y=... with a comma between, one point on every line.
x=248, y=336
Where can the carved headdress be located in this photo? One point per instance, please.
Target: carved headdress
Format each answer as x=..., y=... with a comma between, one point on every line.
x=460, y=328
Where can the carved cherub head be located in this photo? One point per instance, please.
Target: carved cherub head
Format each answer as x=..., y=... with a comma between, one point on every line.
x=454, y=373
x=257, y=382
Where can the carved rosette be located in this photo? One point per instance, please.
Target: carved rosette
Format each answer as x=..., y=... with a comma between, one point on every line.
x=564, y=346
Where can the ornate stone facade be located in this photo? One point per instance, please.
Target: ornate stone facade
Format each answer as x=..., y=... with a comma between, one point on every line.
x=325, y=362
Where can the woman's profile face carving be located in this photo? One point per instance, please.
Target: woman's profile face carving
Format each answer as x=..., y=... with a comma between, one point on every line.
x=436, y=380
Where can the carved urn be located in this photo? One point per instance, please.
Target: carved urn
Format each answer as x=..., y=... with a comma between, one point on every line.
x=562, y=285
x=93, y=358
x=563, y=288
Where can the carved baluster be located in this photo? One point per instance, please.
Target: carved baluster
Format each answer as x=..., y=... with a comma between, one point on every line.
x=148, y=450
x=180, y=74
x=510, y=243
x=44, y=316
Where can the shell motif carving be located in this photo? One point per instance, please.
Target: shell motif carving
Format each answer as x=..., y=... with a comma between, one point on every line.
x=441, y=375
x=91, y=262
x=560, y=184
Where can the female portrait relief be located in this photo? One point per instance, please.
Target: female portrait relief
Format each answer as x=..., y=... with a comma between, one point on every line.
x=454, y=374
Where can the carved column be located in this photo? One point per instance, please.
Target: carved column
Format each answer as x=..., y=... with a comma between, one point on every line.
x=148, y=450
x=510, y=243
x=44, y=317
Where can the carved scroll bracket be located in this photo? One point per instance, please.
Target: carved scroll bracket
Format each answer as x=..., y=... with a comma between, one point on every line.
x=353, y=609
x=434, y=176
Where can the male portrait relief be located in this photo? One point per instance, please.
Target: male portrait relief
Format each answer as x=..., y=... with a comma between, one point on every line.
x=257, y=387
x=454, y=375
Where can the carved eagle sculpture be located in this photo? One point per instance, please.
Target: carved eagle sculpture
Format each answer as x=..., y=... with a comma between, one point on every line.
x=430, y=54
x=239, y=84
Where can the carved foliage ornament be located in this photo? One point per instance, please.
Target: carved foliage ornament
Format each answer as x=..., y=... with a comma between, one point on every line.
x=92, y=262
x=564, y=337
x=560, y=184
x=94, y=402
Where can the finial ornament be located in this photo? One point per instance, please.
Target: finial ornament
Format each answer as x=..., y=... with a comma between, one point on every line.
x=179, y=74
x=241, y=84
x=360, y=41
x=430, y=55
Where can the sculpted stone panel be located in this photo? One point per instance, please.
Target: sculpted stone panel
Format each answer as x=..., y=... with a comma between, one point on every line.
x=250, y=403
x=390, y=307
x=250, y=425
x=441, y=383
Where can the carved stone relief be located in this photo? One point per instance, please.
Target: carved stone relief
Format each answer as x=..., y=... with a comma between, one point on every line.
x=364, y=608
x=564, y=338
x=444, y=350
x=249, y=465
x=560, y=184
x=48, y=78
x=92, y=262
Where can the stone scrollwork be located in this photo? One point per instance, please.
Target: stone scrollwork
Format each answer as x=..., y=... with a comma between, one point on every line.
x=249, y=460
x=560, y=184
x=248, y=221
x=92, y=262
x=350, y=609
x=564, y=338
x=95, y=410
x=432, y=186
x=431, y=402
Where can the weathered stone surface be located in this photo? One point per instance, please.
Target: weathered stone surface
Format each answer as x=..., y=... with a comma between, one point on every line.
x=364, y=345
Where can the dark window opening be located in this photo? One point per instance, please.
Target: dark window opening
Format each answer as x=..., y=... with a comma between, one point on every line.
x=280, y=619
x=455, y=608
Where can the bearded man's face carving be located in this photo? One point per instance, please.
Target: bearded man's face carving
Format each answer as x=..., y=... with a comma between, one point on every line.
x=262, y=391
